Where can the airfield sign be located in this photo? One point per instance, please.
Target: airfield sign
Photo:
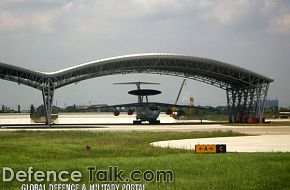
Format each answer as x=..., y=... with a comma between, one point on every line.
x=210, y=148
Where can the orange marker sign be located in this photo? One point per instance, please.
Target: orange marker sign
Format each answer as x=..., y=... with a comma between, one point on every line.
x=210, y=148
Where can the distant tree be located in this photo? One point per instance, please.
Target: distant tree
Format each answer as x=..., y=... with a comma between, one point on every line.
x=19, y=109
x=3, y=108
x=32, y=109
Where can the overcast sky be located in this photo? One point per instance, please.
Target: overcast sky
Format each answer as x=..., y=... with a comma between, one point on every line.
x=48, y=35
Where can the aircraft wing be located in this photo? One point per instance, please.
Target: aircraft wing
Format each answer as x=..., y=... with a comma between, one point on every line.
x=175, y=105
x=121, y=105
x=130, y=108
x=131, y=105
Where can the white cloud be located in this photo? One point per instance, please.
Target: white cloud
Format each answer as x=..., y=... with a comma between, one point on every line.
x=103, y=15
x=227, y=11
x=158, y=5
x=271, y=14
x=36, y=18
x=282, y=24
x=85, y=16
x=269, y=4
x=7, y=2
x=9, y=21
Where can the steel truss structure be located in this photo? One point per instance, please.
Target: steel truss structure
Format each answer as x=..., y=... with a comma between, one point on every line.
x=246, y=90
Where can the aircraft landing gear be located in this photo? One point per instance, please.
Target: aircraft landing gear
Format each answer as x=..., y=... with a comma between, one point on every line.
x=155, y=122
x=137, y=122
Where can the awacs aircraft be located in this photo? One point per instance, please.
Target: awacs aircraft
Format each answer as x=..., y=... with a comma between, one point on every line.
x=145, y=110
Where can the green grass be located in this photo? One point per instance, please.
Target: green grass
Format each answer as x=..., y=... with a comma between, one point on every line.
x=51, y=150
x=273, y=123
x=217, y=118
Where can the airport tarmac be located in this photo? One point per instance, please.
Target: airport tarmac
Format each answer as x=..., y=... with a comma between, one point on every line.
x=264, y=139
x=178, y=127
x=107, y=122
x=78, y=118
x=260, y=143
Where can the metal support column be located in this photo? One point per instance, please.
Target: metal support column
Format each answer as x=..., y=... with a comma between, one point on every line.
x=246, y=102
x=231, y=99
x=262, y=91
x=265, y=91
x=258, y=111
x=229, y=106
x=47, y=94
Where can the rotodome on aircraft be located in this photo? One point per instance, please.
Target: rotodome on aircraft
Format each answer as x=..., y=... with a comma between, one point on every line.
x=146, y=111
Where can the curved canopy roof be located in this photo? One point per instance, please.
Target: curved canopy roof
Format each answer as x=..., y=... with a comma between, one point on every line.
x=206, y=70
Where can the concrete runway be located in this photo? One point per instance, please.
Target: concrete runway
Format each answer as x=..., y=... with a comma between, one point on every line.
x=264, y=139
x=262, y=143
x=179, y=127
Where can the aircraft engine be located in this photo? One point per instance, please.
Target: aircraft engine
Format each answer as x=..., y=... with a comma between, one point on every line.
x=180, y=112
x=116, y=113
x=168, y=112
x=130, y=111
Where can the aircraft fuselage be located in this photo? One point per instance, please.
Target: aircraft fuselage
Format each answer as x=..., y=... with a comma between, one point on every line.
x=148, y=112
